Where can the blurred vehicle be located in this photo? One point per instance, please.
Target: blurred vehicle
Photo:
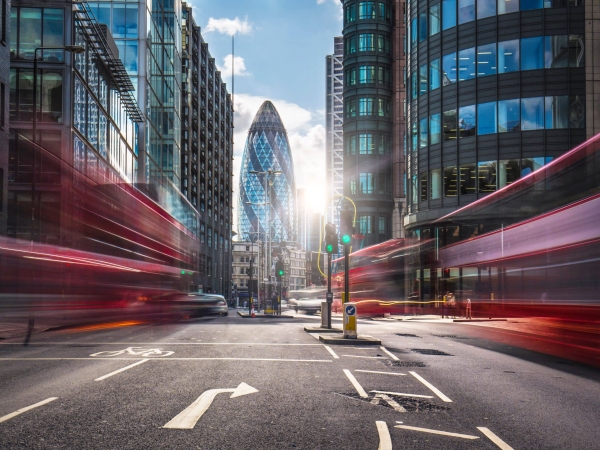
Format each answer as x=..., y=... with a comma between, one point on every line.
x=199, y=304
x=308, y=305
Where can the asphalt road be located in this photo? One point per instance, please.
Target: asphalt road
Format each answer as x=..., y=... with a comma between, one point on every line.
x=279, y=387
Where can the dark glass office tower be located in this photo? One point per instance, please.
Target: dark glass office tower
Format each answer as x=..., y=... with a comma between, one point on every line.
x=368, y=125
x=496, y=89
x=4, y=90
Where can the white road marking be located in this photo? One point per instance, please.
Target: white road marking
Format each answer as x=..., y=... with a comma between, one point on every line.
x=356, y=384
x=435, y=390
x=27, y=408
x=381, y=373
x=170, y=359
x=403, y=395
x=495, y=439
x=187, y=418
x=121, y=370
x=394, y=357
x=443, y=433
x=390, y=401
x=367, y=357
x=385, y=440
x=332, y=352
x=268, y=344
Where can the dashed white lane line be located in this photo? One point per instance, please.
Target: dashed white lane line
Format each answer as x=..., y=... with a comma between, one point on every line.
x=356, y=384
x=403, y=395
x=27, y=408
x=433, y=389
x=168, y=359
x=394, y=357
x=443, y=433
x=495, y=439
x=380, y=373
x=121, y=370
x=385, y=440
x=332, y=352
x=366, y=357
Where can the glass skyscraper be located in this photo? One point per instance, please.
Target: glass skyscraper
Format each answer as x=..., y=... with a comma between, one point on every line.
x=267, y=161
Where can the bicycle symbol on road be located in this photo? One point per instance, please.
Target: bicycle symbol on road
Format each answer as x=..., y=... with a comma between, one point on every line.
x=136, y=351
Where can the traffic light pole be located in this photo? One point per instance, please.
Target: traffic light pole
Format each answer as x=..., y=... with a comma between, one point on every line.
x=329, y=294
x=346, y=270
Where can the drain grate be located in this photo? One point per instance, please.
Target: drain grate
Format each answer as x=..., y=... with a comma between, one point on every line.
x=407, y=363
x=409, y=404
x=407, y=335
x=428, y=351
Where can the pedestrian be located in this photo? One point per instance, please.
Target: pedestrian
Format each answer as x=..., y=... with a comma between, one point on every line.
x=469, y=309
x=444, y=306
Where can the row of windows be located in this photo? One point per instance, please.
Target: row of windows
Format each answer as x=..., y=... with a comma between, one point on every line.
x=540, y=52
x=534, y=113
x=31, y=28
x=366, y=11
x=366, y=144
x=50, y=102
x=366, y=183
x=368, y=74
x=364, y=225
x=367, y=42
x=368, y=106
x=452, y=12
x=469, y=179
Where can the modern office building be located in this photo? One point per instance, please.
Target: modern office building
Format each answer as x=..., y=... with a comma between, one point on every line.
x=206, y=153
x=242, y=254
x=334, y=145
x=267, y=199
x=4, y=103
x=86, y=114
x=367, y=124
x=495, y=91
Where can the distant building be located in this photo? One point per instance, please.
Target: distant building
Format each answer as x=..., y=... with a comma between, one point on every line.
x=334, y=151
x=295, y=263
x=242, y=254
x=267, y=199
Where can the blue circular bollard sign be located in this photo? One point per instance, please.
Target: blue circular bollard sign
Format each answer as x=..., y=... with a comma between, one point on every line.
x=350, y=310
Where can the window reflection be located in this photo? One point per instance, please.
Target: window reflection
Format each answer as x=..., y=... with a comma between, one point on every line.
x=507, y=6
x=576, y=54
x=508, y=56
x=486, y=177
x=466, y=121
x=529, y=165
x=366, y=144
x=450, y=125
x=466, y=11
x=448, y=14
x=557, y=112
x=556, y=51
x=450, y=181
x=423, y=185
x=467, y=64
x=423, y=26
x=486, y=60
x=366, y=74
x=486, y=8
x=434, y=19
x=509, y=115
x=366, y=183
x=532, y=113
x=449, y=68
x=423, y=79
x=533, y=50
x=467, y=179
x=434, y=74
x=413, y=32
x=436, y=184
x=508, y=172
x=577, y=114
x=435, y=129
x=366, y=42
x=366, y=10
x=486, y=118
x=350, y=45
x=423, y=134
x=527, y=5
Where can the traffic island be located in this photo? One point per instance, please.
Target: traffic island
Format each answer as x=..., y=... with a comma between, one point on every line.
x=479, y=320
x=245, y=315
x=322, y=330
x=339, y=339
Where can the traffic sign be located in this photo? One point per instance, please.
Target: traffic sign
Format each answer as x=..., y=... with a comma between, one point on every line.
x=350, y=321
x=329, y=297
x=350, y=310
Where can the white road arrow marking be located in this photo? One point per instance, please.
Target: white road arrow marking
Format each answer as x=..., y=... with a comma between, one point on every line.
x=389, y=400
x=187, y=418
x=385, y=440
x=402, y=395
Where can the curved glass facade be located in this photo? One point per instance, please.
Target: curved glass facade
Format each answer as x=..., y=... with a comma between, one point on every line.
x=368, y=125
x=495, y=89
x=267, y=148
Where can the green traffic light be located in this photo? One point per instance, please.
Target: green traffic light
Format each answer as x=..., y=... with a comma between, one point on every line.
x=330, y=248
x=346, y=239
x=183, y=272
x=281, y=272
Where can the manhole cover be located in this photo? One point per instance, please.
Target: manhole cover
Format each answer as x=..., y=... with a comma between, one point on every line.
x=409, y=404
x=428, y=351
x=407, y=364
x=406, y=335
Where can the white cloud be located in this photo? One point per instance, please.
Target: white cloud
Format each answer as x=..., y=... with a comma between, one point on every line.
x=306, y=134
x=228, y=26
x=239, y=66
x=337, y=3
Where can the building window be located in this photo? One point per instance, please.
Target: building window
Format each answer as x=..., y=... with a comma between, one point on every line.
x=351, y=77
x=383, y=75
x=350, y=45
x=527, y=5
x=383, y=107
x=384, y=11
x=533, y=51
x=508, y=172
x=532, y=113
x=486, y=8
x=466, y=64
x=508, y=56
x=449, y=68
x=414, y=32
x=486, y=176
x=414, y=192
x=350, y=108
x=507, y=6
x=486, y=118
x=448, y=14
x=366, y=74
x=366, y=144
x=353, y=184
x=366, y=42
x=209, y=237
x=423, y=134
x=50, y=90
x=4, y=20
x=486, y=60
x=450, y=181
x=509, y=115
x=466, y=11
x=2, y=111
x=384, y=144
x=434, y=74
x=350, y=13
x=423, y=179
x=436, y=184
x=382, y=225
x=435, y=129
x=450, y=126
x=467, y=121
x=366, y=106
x=37, y=27
x=423, y=79
x=529, y=165
x=366, y=10
x=415, y=136
x=467, y=179
x=366, y=183
x=351, y=145
x=384, y=183
x=557, y=51
x=414, y=83
x=364, y=225
x=423, y=26
x=434, y=19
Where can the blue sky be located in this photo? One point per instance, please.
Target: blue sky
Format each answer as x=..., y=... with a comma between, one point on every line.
x=280, y=49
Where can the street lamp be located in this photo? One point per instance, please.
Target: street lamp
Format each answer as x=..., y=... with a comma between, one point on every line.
x=69, y=48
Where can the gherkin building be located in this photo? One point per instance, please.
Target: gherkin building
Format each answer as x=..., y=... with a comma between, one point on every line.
x=267, y=179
